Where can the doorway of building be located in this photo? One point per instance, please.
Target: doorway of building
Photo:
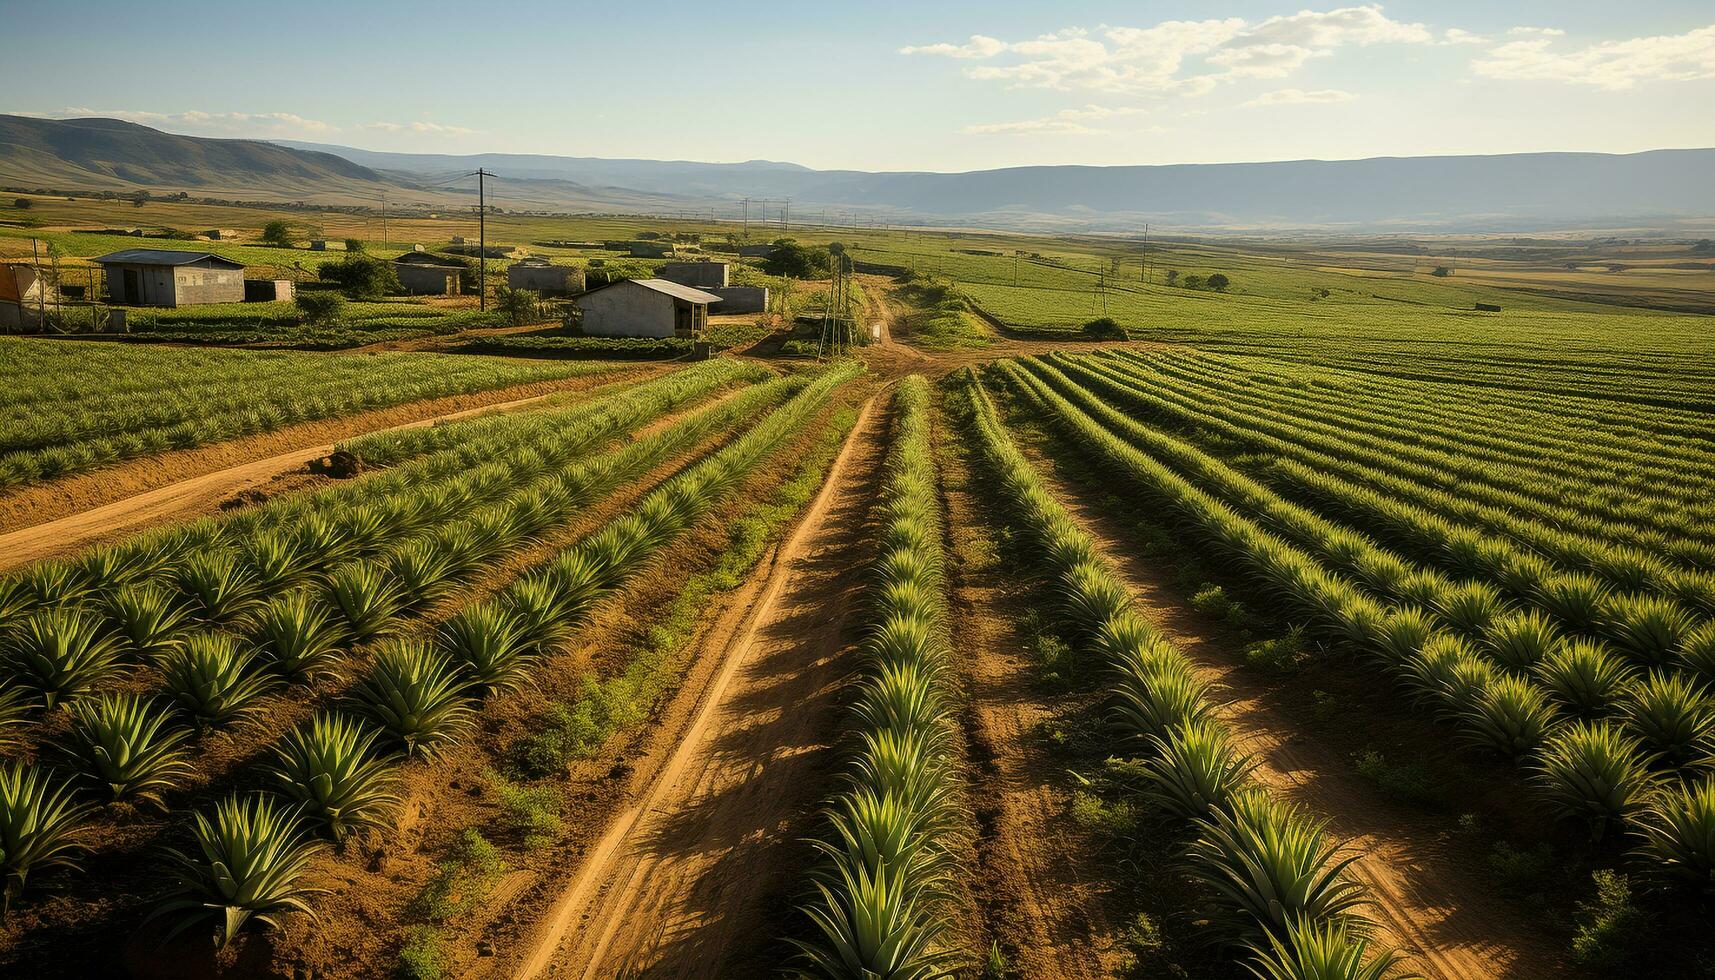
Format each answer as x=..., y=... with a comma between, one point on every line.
x=131, y=290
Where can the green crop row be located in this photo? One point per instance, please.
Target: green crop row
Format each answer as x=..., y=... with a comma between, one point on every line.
x=1600, y=741
x=1278, y=877
x=884, y=888
x=72, y=406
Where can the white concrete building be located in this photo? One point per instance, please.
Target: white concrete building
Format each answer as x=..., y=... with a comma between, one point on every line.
x=645, y=308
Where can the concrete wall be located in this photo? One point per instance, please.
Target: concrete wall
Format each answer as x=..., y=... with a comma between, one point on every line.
x=154, y=284
x=627, y=310
x=427, y=280
x=741, y=299
x=268, y=290
x=549, y=280
x=702, y=275
x=207, y=283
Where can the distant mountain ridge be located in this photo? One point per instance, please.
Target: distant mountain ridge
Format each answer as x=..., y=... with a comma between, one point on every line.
x=1502, y=192
x=1505, y=193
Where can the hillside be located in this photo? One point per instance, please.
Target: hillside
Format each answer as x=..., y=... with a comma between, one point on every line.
x=1464, y=194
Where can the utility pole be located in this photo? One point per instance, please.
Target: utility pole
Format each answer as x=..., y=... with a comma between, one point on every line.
x=384, y=219
x=747, y=220
x=481, y=240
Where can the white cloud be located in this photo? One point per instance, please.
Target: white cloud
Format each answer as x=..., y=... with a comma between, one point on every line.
x=1162, y=60
x=418, y=127
x=979, y=46
x=1066, y=122
x=199, y=123
x=1335, y=28
x=1542, y=31
x=1612, y=65
x=1455, y=35
x=1298, y=96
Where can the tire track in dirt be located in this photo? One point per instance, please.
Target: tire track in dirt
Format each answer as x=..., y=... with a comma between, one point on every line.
x=197, y=495
x=1431, y=903
x=679, y=883
x=1041, y=883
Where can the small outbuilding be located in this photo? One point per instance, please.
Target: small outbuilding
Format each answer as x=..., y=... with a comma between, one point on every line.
x=545, y=277
x=220, y=234
x=645, y=308
x=702, y=275
x=423, y=274
x=21, y=293
x=742, y=299
x=268, y=290
x=165, y=277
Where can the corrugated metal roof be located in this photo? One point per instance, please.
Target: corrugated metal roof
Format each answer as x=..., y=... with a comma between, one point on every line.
x=685, y=293
x=162, y=256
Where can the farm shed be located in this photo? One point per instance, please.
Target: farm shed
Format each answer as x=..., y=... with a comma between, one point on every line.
x=645, y=308
x=267, y=290
x=423, y=274
x=164, y=277
x=703, y=275
x=545, y=277
x=220, y=234
x=742, y=299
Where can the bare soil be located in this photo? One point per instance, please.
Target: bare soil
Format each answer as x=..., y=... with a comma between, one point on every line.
x=65, y=516
x=1433, y=901
x=1041, y=884
x=680, y=882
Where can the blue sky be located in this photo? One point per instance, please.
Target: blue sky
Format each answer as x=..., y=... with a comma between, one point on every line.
x=890, y=85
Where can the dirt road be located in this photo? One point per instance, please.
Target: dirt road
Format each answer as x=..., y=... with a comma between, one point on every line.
x=680, y=882
x=197, y=495
x=1432, y=903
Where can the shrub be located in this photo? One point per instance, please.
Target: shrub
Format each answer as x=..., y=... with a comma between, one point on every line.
x=122, y=742
x=213, y=679
x=1610, y=927
x=415, y=695
x=1590, y=771
x=363, y=276
x=519, y=306
x=1218, y=281
x=1104, y=328
x=320, y=309
x=277, y=233
x=248, y=859
x=61, y=653
x=38, y=825
x=330, y=767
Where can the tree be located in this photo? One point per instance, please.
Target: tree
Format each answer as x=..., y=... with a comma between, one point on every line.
x=1703, y=245
x=139, y=198
x=363, y=276
x=278, y=233
x=354, y=246
x=320, y=309
x=519, y=305
x=1104, y=328
x=792, y=259
x=23, y=204
x=1441, y=272
x=1172, y=276
x=1219, y=281
x=1192, y=282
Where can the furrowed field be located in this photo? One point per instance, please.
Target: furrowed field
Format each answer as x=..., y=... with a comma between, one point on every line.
x=1311, y=625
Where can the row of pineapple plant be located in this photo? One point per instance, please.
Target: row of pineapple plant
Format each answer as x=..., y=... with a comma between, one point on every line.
x=885, y=882
x=327, y=526
x=1548, y=524
x=1282, y=884
x=414, y=699
x=1646, y=768
x=1652, y=630
x=1653, y=491
x=1582, y=600
x=215, y=664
